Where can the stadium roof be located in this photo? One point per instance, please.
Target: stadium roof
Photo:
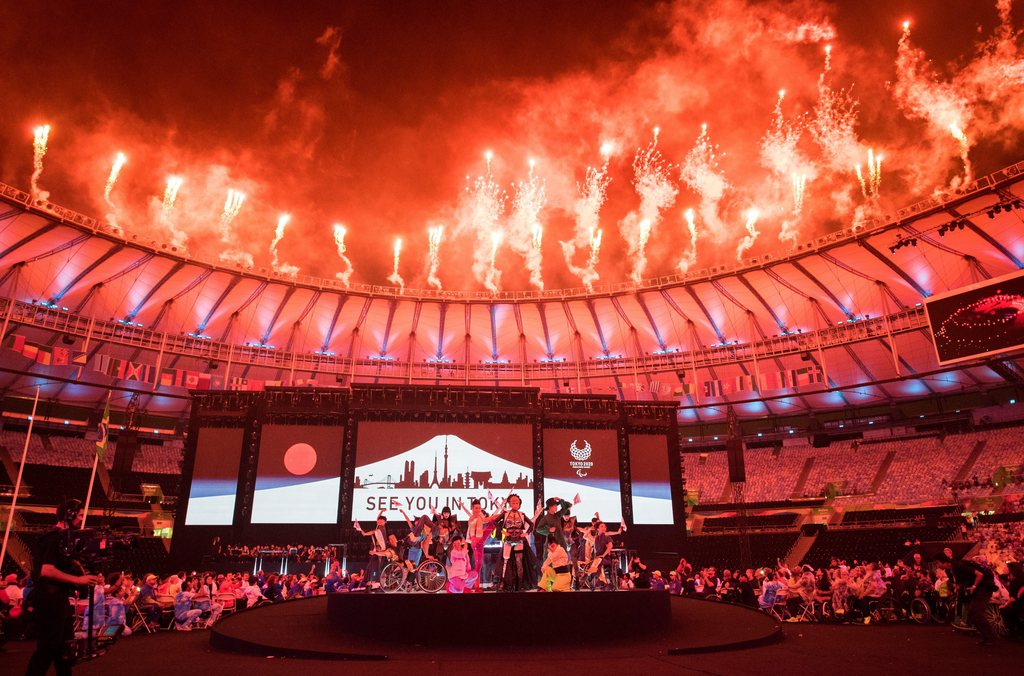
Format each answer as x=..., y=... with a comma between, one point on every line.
x=844, y=305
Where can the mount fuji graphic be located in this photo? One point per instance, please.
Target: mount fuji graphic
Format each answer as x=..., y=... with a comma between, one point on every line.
x=444, y=461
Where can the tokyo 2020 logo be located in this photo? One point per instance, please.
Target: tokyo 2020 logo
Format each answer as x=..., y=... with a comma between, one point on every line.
x=581, y=457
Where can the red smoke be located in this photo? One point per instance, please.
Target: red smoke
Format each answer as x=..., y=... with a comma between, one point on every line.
x=312, y=125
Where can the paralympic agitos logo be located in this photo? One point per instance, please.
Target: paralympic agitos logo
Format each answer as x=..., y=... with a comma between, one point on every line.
x=581, y=457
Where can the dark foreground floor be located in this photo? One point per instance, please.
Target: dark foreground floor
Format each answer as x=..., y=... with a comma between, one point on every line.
x=875, y=650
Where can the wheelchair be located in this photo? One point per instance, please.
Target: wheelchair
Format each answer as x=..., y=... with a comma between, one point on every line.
x=429, y=577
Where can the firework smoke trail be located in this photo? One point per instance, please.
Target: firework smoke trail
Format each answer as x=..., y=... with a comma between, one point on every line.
x=921, y=95
x=394, y=277
x=592, y=194
x=339, y=242
x=690, y=258
x=799, y=189
x=115, y=171
x=279, y=267
x=493, y=279
x=434, y=236
x=654, y=186
x=524, y=231
x=178, y=237
x=701, y=174
x=752, y=233
x=480, y=215
x=40, y=139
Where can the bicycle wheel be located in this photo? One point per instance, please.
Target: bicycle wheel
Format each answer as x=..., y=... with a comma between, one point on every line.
x=392, y=578
x=920, y=612
x=995, y=620
x=431, y=577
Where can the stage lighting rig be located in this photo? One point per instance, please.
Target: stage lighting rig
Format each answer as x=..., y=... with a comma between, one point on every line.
x=901, y=242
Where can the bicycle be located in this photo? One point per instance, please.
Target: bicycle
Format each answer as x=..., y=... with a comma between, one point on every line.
x=429, y=577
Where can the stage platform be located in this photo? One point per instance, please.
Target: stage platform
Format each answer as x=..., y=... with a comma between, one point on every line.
x=307, y=628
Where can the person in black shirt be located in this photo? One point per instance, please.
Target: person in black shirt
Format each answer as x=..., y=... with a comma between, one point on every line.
x=56, y=574
x=978, y=583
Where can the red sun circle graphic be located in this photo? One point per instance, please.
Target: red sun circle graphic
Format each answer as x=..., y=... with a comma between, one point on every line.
x=300, y=458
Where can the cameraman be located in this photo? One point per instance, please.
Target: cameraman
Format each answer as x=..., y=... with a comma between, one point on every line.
x=57, y=573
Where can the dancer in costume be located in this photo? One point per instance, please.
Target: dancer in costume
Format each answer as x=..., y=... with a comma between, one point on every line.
x=549, y=525
x=555, y=574
x=517, y=559
x=478, y=530
x=460, y=574
x=421, y=536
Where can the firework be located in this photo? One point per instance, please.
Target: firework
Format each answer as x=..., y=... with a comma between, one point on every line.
x=799, y=188
x=275, y=263
x=834, y=122
x=232, y=205
x=339, y=242
x=394, y=277
x=480, y=215
x=115, y=172
x=752, y=233
x=434, y=236
x=174, y=184
x=40, y=139
x=654, y=186
x=690, y=258
x=872, y=182
x=524, y=228
x=700, y=173
x=592, y=194
x=920, y=94
x=178, y=237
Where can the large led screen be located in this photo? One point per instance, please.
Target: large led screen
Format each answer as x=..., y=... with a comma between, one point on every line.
x=648, y=471
x=422, y=466
x=978, y=320
x=584, y=462
x=211, y=497
x=298, y=477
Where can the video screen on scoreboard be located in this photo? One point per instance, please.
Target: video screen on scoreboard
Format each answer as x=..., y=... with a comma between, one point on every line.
x=298, y=477
x=978, y=320
x=584, y=463
x=648, y=471
x=211, y=496
x=422, y=466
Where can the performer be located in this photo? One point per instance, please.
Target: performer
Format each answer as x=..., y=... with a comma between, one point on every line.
x=555, y=576
x=478, y=531
x=421, y=535
x=460, y=575
x=516, y=558
x=600, y=569
x=377, y=546
x=549, y=526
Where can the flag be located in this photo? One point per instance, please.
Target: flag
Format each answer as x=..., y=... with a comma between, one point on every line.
x=101, y=441
x=712, y=388
x=577, y=500
x=684, y=388
x=744, y=383
x=43, y=355
x=17, y=343
x=61, y=356
x=808, y=376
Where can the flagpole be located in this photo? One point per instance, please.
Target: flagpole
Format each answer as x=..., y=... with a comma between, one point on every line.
x=95, y=466
x=21, y=469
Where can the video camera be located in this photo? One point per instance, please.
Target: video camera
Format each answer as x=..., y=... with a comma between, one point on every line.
x=94, y=548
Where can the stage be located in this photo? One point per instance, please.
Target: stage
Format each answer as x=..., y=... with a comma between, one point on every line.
x=361, y=626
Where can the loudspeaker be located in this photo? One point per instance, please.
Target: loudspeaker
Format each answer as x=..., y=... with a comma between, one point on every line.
x=124, y=454
x=820, y=441
x=737, y=469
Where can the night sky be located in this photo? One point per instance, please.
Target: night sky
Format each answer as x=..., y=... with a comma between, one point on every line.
x=373, y=114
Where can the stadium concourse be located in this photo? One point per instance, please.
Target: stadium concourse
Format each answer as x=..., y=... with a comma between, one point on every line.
x=784, y=433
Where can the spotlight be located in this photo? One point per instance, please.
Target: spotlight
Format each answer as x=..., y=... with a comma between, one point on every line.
x=67, y=340
x=991, y=213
